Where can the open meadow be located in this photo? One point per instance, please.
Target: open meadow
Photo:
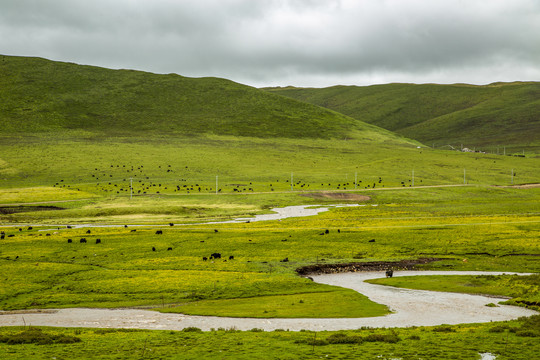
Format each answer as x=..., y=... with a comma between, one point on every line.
x=53, y=186
x=116, y=188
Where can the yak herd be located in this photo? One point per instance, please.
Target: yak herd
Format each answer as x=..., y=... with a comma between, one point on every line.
x=212, y=257
x=116, y=179
x=83, y=240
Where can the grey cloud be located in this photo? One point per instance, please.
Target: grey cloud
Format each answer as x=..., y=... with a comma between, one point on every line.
x=272, y=42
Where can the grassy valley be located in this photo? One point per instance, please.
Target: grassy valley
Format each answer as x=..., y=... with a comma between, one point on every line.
x=161, y=157
x=483, y=117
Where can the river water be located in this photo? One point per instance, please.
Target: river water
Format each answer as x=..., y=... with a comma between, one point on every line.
x=409, y=308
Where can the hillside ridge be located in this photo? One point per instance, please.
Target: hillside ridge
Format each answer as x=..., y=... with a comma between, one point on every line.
x=494, y=114
x=40, y=96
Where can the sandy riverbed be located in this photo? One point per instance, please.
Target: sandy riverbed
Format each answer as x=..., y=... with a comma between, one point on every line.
x=410, y=308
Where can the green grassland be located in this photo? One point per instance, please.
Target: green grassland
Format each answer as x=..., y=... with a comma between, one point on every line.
x=42, y=96
x=492, y=228
x=508, y=340
x=482, y=117
x=174, y=179
x=74, y=138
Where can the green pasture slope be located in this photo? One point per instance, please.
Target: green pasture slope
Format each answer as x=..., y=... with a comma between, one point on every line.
x=42, y=96
x=73, y=138
x=488, y=117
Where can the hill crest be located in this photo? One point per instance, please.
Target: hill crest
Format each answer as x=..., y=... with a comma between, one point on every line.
x=40, y=95
x=494, y=114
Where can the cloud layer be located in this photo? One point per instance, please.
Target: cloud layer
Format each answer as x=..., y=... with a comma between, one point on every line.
x=286, y=42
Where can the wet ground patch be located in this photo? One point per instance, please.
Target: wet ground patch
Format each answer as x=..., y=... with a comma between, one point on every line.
x=6, y=210
x=364, y=266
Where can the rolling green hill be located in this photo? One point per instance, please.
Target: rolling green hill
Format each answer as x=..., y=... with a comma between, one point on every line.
x=500, y=114
x=39, y=95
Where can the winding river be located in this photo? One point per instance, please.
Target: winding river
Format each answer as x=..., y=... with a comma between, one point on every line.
x=277, y=214
x=409, y=308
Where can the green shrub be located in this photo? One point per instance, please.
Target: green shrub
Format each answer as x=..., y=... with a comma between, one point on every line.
x=444, y=328
x=192, y=329
x=37, y=336
x=387, y=338
x=341, y=338
x=498, y=328
x=530, y=326
x=527, y=333
x=531, y=322
x=313, y=342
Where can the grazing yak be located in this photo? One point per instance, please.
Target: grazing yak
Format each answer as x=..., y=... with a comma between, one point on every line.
x=215, y=256
x=389, y=273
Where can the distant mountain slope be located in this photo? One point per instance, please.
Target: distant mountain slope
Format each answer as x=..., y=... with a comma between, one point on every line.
x=39, y=95
x=496, y=114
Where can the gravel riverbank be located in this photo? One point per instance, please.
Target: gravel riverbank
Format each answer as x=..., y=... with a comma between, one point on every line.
x=410, y=308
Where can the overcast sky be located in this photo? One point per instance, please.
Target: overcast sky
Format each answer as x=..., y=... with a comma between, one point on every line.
x=286, y=42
